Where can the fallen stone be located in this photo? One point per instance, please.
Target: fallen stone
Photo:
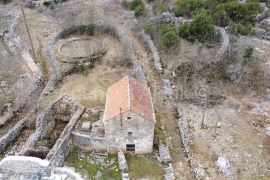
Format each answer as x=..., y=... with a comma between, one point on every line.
x=267, y=130
x=169, y=173
x=3, y=84
x=223, y=164
x=122, y=162
x=98, y=175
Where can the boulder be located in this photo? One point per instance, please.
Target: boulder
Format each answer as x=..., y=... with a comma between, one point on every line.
x=267, y=130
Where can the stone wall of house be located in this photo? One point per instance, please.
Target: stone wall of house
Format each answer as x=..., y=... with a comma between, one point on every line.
x=118, y=135
x=87, y=142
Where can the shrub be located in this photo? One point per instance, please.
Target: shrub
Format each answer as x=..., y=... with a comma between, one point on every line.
x=248, y=53
x=5, y=1
x=138, y=7
x=89, y=30
x=169, y=38
x=149, y=29
x=43, y=143
x=201, y=27
x=79, y=30
x=238, y=28
x=184, y=30
x=239, y=12
x=164, y=28
x=188, y=7
x=159, y=7
x=125, y=4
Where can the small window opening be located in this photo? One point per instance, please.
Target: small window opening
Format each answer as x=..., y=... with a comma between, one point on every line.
x=130, y=147
x=128, y=117
x=130, y=133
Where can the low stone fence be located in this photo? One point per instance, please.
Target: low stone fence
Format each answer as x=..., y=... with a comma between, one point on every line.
x=56, y=75
x=57, y=154
x=41, y=124
x=43, y=121
x=123, y=165
x=24, y=87
x=186, y=142
x=148, y=40
x=87, y=142
x=82, y=59
x=12, y=134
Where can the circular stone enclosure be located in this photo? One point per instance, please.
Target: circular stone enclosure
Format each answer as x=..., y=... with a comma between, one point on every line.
x=81, y=48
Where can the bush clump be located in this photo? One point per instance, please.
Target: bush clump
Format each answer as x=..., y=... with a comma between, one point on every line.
x=201, y=28
x=238, y=28
x=136, y=5
x=169, y=34
x=170, y=38
x=5, y=1
x=88, y=30
x=188, y=7
x=149, y=29
x=184, y=30
x=223, y=12
x=159, y=7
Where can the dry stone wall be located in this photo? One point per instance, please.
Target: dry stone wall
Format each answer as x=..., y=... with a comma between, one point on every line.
x=12, y=134
x=58, y=153
x=32, y=79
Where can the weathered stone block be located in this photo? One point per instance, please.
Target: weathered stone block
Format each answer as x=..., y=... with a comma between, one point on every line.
x=86, y=126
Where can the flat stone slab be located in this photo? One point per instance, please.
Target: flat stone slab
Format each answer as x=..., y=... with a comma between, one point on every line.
x=86, y=126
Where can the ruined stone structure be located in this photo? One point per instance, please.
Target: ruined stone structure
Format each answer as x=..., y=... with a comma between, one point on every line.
x=129, y=118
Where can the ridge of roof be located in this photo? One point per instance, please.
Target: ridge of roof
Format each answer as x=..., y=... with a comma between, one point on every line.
x=129, y=94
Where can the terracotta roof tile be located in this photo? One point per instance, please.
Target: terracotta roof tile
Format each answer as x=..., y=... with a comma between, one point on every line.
x=129, y=94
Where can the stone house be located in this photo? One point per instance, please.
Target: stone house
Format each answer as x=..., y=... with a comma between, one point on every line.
x=129, y=118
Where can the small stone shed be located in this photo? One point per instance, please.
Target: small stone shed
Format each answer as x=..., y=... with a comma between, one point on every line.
x=129, y=117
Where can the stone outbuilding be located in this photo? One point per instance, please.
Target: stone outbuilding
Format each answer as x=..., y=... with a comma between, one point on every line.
x=129, y=117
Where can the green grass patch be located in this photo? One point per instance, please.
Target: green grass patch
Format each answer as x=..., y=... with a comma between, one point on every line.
x=158, y=130
x=43, y=143
x=137, y=6
x=144, y=167
x=159, y=7
x=84, y=165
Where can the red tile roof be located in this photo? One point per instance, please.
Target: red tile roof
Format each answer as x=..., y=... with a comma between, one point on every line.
x=129, y=94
